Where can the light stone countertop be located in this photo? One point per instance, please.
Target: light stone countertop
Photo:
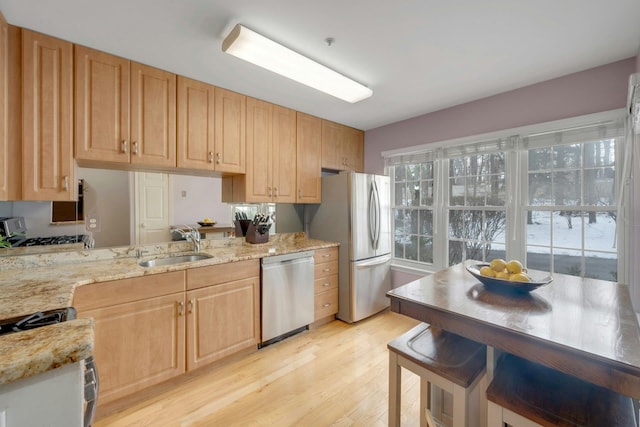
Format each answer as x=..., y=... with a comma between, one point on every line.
x=47, y=281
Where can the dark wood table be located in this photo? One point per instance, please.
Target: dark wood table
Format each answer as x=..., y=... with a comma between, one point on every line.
x=583, y=327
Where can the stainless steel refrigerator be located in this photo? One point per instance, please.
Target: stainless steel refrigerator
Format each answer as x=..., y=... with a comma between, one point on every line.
x=355, y=211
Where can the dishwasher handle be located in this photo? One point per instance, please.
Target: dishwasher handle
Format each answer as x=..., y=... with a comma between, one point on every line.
x=288, y=262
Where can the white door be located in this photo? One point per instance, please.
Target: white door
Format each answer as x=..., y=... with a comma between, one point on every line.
x=152, y=208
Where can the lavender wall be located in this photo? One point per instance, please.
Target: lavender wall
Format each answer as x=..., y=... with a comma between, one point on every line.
x=590, y=91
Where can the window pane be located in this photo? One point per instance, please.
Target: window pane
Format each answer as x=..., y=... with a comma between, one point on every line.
x=426, y=223
x=566, y=188
x=540, y=159
x=426, y=250
x=567, y=229
x=495, y=226
x=568, y=262
x=601, y=266
x=413, y=172
x=475, y=191
x=600, y=231
x=600, y=153
x=411, y=248
x=567, y=156
x=495, y=251
x=538, y=228
x=538, y=259
x=426, y=193
x=456, y=223
x=474, y=250
x=455, y=252
x=456, y=192
x=401, y=194
x=427, y=170
x=540, y=189
x=599, y=187
x=496, y=195
x=399, y=173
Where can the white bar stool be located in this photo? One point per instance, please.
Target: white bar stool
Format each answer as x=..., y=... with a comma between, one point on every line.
x=448, y=361
x=526, y=394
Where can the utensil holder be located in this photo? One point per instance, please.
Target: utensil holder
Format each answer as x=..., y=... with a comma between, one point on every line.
x=242, y=225
x=253, y=236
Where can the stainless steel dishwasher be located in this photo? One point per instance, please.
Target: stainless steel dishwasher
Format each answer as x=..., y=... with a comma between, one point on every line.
x=287, y=295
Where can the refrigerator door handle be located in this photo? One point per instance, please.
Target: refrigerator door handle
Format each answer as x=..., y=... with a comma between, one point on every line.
x=376, y=195
x=377, y=261
x=372, y=214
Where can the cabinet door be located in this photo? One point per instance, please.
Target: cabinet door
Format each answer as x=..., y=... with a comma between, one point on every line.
x=196, y=121
x=153, y=116
x=258, y=177
x=353, y=149
x=230, y=139
x=332, y=143
x=138, y=344
x=284, y=155
x=10, y=112
x=309, y=158
x=222, y=320
x=102, y=106
x=47, y=125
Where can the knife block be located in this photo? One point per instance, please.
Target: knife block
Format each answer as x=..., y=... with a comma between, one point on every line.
x=253, y=236
x=242, y=225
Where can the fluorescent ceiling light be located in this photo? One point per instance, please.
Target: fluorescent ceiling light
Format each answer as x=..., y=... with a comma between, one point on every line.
x=259, y=50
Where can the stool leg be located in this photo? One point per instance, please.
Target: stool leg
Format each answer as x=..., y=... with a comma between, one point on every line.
x=425, y=396
x=460, y=413
x=395, y=380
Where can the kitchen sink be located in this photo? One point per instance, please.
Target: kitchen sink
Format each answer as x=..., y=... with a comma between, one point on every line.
x=175, y=259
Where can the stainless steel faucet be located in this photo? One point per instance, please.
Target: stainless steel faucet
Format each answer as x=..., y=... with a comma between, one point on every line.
x=191, y=235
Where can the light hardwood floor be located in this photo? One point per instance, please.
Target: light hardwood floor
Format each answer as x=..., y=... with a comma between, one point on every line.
x=335, y=375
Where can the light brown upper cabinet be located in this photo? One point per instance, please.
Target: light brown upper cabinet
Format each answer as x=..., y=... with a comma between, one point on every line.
x=309, y=159
x=196, y=123
x=342, y=147
x=230, y=131
x=10, y=112
x=271, y=157
x=125, y=111
x=47, y=118
x=284, y=155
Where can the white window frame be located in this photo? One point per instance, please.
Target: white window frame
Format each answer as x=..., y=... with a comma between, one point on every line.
x=515, y=164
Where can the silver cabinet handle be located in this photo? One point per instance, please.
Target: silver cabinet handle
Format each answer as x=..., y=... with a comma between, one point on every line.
x=326, y=269
x=276, y=191
x=326, y=304
x=326, y=284
x=65, y=183
x=210, y=156
x=269, y=191
x=180, y=308
x=134, y=147
x=326, y=255
x=190, y=306
x=125, y=146
x=218, y=158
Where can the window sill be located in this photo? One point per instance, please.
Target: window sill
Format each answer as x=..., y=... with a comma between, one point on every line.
x=416, y=270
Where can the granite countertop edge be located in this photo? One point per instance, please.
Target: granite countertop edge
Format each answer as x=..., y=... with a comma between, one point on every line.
x=50, y=286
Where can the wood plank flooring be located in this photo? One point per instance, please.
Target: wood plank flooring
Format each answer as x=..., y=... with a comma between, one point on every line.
x=335, y=375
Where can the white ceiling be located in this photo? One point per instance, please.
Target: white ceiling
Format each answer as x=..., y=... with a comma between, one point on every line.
x=418, y=56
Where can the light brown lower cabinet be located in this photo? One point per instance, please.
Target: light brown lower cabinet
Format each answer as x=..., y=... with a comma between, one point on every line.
x=223, y=306
x=149, y=329
x=325, y=283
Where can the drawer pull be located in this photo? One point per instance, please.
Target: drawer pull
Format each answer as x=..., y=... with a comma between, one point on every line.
x=326, y=269
x=180, y=308
x=326, y=304
x=326, y=284
x=326, y=255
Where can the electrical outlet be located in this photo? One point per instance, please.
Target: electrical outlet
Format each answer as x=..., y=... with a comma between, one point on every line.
x=92, y=222
x=183, y=193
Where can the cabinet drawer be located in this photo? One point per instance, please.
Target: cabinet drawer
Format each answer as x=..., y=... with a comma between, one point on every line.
x=104, y=294
x=222, y=273
x=325, y=255
x=325, y=269
x=325, y=283
x=326, y=304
